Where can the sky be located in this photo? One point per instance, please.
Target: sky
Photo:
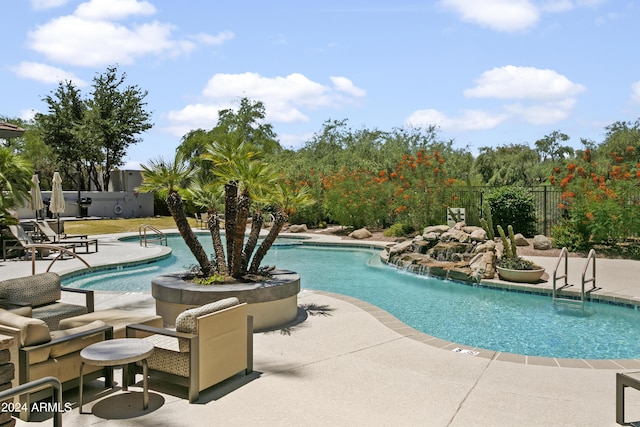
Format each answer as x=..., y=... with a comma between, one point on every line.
x=485, y=72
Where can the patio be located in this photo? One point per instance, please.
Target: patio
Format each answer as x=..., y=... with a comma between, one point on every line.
x=348, y=363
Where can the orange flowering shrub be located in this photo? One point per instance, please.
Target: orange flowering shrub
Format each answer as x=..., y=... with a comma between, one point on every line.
x=602, y=201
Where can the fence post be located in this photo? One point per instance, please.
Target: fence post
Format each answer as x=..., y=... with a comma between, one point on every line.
x=545, y=223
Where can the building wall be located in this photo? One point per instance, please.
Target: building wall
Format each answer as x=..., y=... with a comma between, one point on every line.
x=122, y=204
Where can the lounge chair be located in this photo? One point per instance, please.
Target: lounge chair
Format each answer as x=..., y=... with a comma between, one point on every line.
x=210, y=344
x=20, y=239
x=50, y=236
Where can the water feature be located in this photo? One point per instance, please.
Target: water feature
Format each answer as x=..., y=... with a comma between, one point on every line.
x=468, y=315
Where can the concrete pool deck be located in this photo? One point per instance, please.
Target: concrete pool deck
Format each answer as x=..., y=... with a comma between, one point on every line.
x=349, y=363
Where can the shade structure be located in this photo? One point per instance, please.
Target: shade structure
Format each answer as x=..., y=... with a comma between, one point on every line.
x=9, y=130
x=57, y=205
x=36, y=195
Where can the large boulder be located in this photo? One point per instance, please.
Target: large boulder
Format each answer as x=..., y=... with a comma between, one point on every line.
x=478, y=235
x=541, y=242
x=401, y=247
x=298, y=228
x=361, y=233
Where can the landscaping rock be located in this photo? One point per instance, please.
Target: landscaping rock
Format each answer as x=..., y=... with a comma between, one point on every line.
x=401, y=247
x=298, y=228
x=541, y=242
x=520, y=240
x=437, y=229
x=478, y=235
x=361, y=233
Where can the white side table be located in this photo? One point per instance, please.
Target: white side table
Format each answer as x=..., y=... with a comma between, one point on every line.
x=118, y=352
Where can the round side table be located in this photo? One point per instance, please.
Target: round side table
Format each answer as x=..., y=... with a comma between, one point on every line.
x=116, y=352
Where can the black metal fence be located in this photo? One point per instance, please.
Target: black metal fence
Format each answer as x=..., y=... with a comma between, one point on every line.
x=470, y=198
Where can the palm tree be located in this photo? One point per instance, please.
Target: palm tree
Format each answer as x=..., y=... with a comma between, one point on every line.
x=207, y=195
x=167, y=177
x=243, y=175
x=286, y=201
x=15, y=182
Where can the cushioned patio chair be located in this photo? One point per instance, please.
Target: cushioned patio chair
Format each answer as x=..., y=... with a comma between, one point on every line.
x=20, y=239
x=51, y=237
x=210, y=344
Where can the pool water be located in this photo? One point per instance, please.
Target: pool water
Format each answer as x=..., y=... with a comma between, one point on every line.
x=468, y=315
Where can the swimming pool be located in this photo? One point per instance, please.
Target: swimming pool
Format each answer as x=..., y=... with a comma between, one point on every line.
x=468, y=315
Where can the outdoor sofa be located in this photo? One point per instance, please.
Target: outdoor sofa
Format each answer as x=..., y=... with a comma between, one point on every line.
x=38, y=352
x=38, y=296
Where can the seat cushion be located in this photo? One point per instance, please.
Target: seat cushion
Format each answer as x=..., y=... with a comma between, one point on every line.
x=52, y=314
x=187, y=320
x=68, y=347
x=118, y=319
x=32, y=331
x=39, y=289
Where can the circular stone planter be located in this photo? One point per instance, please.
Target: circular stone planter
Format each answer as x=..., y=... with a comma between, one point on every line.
x=520, y=276
x=272, y=303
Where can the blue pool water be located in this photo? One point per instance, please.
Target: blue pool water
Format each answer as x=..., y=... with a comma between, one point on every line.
x=467, y=315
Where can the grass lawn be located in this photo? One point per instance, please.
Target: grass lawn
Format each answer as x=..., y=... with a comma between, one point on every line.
x=119, y=225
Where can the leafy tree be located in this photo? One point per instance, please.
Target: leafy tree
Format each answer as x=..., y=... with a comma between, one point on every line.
x=15, y=182
x=507, y=165
x=92, y=136
x=115, y=117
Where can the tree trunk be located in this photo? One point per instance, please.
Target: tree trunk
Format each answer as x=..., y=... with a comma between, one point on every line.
x=213, y=224
x=174, y=203
x=280, y=220
x=256, y=225
x=230, y=212
x=244, y=202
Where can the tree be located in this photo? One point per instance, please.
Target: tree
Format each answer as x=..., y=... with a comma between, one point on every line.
x=507, y=165
x=115, y=117
x=168, y=177
x=15, y=182
x=92, y=136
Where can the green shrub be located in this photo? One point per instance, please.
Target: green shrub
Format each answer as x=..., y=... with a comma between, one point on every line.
x=567, y=234
x=513, y=206
x=398, y=230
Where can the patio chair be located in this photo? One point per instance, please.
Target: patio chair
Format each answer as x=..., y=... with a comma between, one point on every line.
x=20, y=239
x=210, y=344
x=50, y=236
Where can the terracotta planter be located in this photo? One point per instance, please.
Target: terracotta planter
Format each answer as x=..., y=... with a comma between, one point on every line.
x=520, y=276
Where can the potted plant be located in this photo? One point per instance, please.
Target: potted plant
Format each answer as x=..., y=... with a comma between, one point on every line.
x=513, y=268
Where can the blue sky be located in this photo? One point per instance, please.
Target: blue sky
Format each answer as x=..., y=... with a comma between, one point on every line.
x=487, y=72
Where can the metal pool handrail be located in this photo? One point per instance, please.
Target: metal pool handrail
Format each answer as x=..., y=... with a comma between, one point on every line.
x=158, y=236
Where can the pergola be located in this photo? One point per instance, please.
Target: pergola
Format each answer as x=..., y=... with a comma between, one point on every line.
x=9, y=130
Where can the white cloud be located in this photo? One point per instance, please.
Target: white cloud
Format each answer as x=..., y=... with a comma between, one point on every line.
x=469, y=120
x=90, y=37
x=46, y=74
x=511, y=82
x=558, y=5
x=544, y=113
x=343, y=84
x=499, y=15
x=285, y=98
x=635, y=92
x=545, y=97
x=72, y=40
x=47, y=4
x=101, y=10
x=28, y=115
x=217, y=39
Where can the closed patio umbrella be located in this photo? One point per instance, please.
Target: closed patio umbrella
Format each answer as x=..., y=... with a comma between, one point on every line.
x=57, y=205
x=36, y=195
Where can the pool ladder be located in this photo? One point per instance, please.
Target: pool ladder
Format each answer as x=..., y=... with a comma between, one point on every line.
x=564, y=255
x=156, y=235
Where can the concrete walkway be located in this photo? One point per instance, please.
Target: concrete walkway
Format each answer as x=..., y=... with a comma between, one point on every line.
x=347, y=363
